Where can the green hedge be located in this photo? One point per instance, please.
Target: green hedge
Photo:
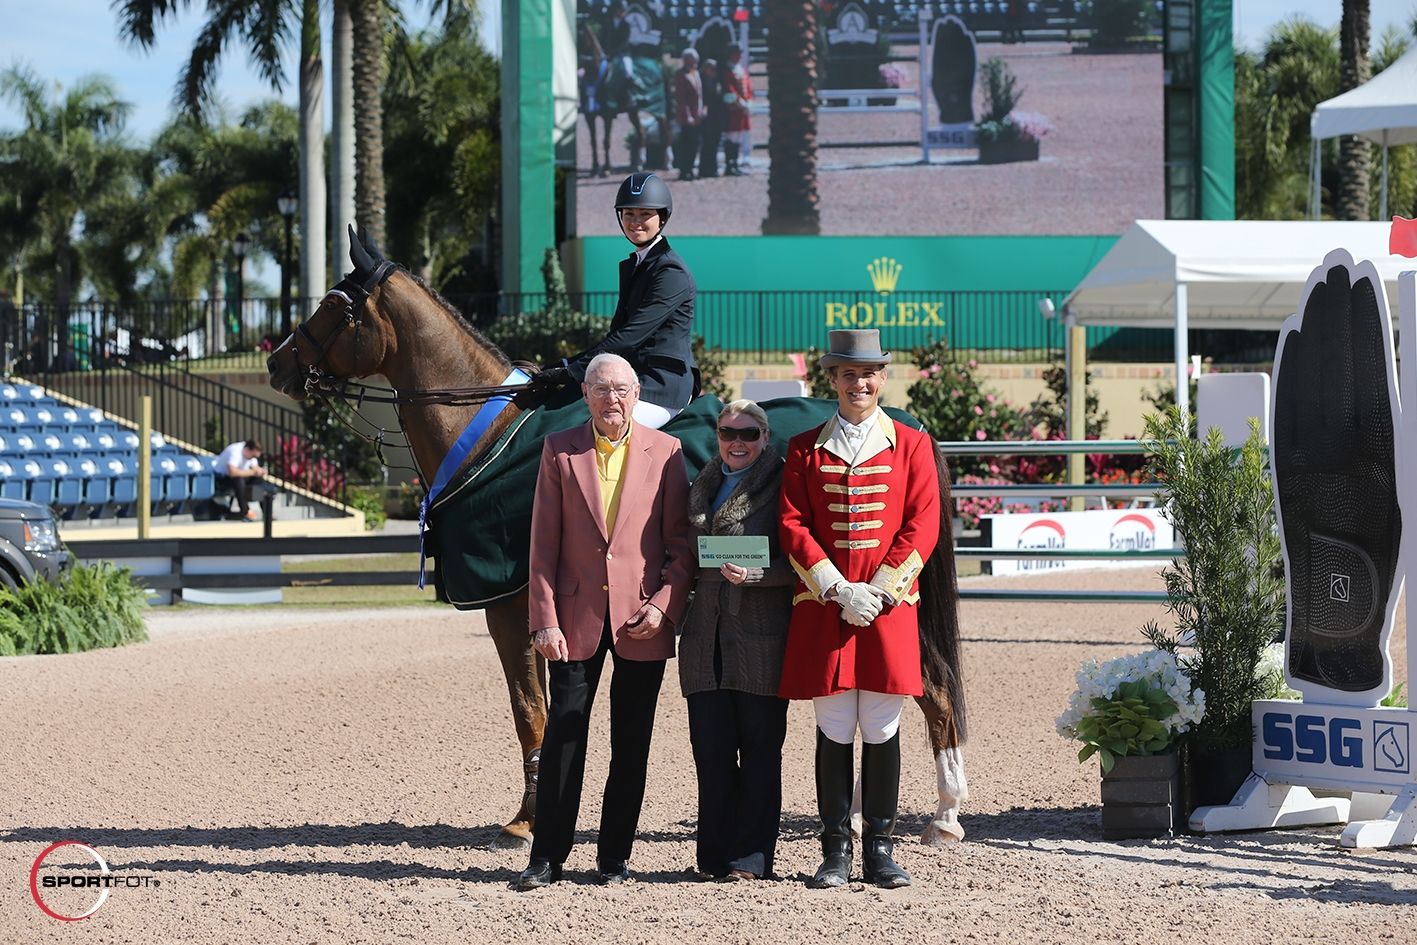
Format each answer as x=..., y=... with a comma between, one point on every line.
x=92, y=606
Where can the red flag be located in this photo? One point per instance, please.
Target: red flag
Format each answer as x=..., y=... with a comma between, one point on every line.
x=1402, y=241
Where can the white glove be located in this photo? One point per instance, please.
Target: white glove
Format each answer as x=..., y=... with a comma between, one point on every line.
x=859, y=604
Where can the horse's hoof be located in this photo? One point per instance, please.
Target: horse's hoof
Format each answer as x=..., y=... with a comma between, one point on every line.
x=511, y=840
x=938, y=836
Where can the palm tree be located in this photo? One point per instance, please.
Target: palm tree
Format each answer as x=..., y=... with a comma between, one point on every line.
x=1354, y=153
x=792, y=97
x=369, y=19
x=1275, y=93
x=264, y=26
x=69, y=157
x=441, y=127
x=342, y=133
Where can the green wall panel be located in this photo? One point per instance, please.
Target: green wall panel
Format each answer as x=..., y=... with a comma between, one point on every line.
x=840, y=263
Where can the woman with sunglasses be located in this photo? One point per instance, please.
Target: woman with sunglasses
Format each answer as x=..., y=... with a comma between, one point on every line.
x=730, y=654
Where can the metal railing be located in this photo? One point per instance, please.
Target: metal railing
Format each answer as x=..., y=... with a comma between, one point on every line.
x=749, y=325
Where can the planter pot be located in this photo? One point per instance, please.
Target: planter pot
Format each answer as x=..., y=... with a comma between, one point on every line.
x=1216, y=774
x=1141, y=797
x=1005, y=152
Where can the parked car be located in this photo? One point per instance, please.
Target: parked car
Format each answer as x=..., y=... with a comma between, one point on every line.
x=30, y=549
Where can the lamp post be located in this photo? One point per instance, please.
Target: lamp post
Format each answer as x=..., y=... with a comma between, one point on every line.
x=287, y=203
x=239, y=247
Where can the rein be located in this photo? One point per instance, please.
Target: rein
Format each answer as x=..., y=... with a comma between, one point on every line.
x=319, y=381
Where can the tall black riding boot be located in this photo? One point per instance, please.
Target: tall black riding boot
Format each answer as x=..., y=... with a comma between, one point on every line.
x=834, y=784
x=730, y=159
x=880, y=790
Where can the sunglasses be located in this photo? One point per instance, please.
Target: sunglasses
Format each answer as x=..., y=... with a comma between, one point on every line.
x=747, y=435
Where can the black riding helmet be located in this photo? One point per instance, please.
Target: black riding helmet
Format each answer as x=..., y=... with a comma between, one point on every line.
x=645, y=192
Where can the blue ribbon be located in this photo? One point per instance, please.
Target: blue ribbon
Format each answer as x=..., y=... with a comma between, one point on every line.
x=459, y=452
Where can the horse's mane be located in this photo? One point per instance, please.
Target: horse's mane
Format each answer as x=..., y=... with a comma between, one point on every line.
x=461, y=321
x=940, y=658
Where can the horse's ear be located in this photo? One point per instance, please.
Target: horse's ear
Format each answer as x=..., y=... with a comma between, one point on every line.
x=374, y=250
x=358, y=255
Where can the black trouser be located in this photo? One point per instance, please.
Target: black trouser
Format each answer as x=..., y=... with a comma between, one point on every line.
x=634, y=692
x=711, y=133
x=241, y=487
x=686, y=150
x=737, y=739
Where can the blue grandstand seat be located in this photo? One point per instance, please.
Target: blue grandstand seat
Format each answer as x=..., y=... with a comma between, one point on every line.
x=42, y=416
x=11, y=485
x=127, y=440
x=106, y=442
x=199, y=474
x=67, y=417
x=68, y=486
x=39, y=484
x=13, y=416
x=77, y=443
x=98, y=486
x=50, y=443
x=22, y=443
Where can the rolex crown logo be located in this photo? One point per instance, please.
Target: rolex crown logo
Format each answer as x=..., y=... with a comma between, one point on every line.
x=884, y=274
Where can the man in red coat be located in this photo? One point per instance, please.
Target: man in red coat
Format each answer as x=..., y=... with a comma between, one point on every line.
x=860, y=514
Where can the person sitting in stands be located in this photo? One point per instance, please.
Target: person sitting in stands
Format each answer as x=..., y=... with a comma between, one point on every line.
x=237, y=468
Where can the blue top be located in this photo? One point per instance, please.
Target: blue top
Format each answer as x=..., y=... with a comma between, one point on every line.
x=730, y=482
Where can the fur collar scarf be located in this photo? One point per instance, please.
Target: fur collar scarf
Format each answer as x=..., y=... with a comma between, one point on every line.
x=757, y=490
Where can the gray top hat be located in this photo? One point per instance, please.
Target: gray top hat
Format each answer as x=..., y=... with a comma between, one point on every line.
x=854, y=346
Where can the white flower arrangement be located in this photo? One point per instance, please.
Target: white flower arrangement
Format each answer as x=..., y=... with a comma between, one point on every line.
x=1131, y=705
x=1270, y=670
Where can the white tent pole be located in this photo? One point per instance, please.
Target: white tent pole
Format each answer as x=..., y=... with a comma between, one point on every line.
x=1314, y=162
x=1183, y=355
x=1382, y=200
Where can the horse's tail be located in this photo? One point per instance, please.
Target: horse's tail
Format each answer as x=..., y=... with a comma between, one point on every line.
x=941, y=666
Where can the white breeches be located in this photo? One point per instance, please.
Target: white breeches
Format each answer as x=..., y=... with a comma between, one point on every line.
x=653, y=415
x=877, y=714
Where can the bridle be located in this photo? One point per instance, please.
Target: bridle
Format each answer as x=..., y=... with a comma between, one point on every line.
x=318, y=381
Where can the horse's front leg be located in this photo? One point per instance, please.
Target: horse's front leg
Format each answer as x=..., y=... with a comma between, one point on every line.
x=525, y=671
x=949, y=772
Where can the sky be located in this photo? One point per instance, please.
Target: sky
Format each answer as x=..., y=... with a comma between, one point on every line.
x=63, y=40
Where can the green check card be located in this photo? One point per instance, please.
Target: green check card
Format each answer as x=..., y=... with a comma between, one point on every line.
x=750, y=551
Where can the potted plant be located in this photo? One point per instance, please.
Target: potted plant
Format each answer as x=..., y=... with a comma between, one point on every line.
x=1227, y=593
x=1131, y=713
x=1005, y=134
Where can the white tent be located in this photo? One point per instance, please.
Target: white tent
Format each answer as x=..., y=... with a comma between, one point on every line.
x=1184, y=274
x=1383, y=110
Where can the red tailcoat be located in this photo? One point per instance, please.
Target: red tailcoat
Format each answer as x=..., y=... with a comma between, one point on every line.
x=872, y=519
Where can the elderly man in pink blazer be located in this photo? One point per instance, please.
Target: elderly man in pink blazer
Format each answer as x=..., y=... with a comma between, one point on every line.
x=611, y=570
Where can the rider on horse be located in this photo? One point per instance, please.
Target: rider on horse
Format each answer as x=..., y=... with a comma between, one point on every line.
x=652, y=327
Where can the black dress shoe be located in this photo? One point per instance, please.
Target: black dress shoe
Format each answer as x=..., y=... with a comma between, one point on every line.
x=610, y=874
x=537, y=875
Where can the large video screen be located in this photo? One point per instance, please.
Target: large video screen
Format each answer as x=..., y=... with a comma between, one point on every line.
x=949, y=117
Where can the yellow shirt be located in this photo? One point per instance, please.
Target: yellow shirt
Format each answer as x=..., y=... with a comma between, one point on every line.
x=610, y=463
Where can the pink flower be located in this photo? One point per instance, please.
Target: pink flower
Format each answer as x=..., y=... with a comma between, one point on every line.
x=935, y=369
x=989, y=398
x=956, y=393
x=973, y=363
x=978, y=410
x=925, y=374
x=980, y=435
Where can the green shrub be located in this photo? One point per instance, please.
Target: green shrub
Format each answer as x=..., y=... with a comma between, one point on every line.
x=952, y=404
x=713, y=365
x=370, y=501
x=91, y=607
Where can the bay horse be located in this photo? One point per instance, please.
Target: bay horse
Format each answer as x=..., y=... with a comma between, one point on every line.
x=382, y=320
x=607, y=88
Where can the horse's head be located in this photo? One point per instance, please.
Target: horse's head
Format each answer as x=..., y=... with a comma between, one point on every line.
x=347, y=336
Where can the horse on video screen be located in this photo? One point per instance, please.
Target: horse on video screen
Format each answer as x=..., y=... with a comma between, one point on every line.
x=381, y=320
